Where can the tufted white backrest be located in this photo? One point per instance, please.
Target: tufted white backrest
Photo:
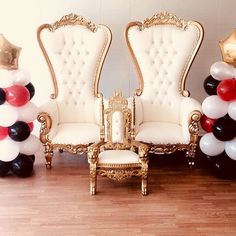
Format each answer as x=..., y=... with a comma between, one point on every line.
x=163, y=53
x=76, y=54
x=117, y=127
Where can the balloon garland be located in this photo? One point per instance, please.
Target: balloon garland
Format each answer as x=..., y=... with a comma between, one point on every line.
x=219, y=118
x=17, y=113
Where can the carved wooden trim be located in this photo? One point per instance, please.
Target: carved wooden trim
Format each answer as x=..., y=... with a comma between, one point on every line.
x=120, y=174
x=163, y=18
x=73, y=19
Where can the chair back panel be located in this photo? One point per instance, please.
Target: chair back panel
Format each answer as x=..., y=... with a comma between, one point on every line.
x=119, y=120
x=163, y=53
x=76, y=54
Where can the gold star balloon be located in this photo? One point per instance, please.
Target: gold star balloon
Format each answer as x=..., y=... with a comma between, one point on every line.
x=9, y=54
x=228, y=49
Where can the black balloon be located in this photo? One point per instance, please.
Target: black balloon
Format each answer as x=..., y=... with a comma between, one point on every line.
x=19, y=131
x=4, y=168
x=210, y=85
x=22, y=166
x=2, y=96
x=32, y=157
x=224, y=128
x=224, y=166
x=31, y=89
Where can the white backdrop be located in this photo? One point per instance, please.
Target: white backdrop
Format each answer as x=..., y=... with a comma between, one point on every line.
x=20, y=19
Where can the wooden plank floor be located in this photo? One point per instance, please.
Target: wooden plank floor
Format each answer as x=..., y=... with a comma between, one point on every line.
x=57, y=202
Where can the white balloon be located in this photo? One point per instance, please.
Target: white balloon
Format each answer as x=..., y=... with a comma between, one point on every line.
x=221, y=70
x=22, y=77
x=8, y=115
x=232, y=110
x=210, y=145
x=9, y=150
x=6, y=78
x=213, y=107
x=28, y=112
x=230, y=148
x=29, y=146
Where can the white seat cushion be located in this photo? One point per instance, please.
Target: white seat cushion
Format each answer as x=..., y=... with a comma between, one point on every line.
x=77, y=133
x=118, y=157
x=161, y=133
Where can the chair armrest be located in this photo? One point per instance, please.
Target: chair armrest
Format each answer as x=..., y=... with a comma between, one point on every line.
x=143, y=150
x=190, y=115
x=93, y=152
x=48, y=117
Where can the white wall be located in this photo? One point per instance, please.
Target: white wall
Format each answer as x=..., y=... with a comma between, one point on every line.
x=20, y=19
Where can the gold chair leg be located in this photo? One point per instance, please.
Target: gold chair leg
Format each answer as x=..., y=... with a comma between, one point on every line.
x=190, y=154
x=93, y=181
x=48, y=157
x=144, y=186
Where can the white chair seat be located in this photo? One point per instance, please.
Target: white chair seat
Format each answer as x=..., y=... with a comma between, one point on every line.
x=161, y=133
x=118, y=157
x=77, y=133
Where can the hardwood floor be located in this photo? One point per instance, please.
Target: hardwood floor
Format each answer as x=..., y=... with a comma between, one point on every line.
x=57, y=202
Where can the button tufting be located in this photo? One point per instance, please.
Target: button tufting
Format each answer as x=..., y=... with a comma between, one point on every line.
x=82, y=42
x=87, y=52
x=70, y=92
x=83, y=62
x=74, y=82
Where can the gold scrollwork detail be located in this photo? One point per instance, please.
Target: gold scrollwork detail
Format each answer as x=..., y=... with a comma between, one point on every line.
x=167, y=148
x=119, y=174
x=163, y=18
x=74, y=149
x=72, y=19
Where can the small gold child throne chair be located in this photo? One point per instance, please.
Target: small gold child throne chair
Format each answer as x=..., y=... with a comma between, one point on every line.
x=119, y=156
x=75, y=50
x=163, y=48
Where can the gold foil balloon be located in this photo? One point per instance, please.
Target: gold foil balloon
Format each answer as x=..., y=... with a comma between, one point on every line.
x=228, y=49
x=9, y=54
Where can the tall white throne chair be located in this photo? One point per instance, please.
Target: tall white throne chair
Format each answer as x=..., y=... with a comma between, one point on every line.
x=75, y=50
x=163, y=48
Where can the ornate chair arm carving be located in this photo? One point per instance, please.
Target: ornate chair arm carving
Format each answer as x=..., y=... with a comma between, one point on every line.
x=93, y=152
x=143, y=150
x=46, y=124
x=48, y=114
x=190, y=115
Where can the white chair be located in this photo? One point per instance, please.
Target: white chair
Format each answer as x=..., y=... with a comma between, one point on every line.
x=163, y=48
x=75, y=50
x=119, y=156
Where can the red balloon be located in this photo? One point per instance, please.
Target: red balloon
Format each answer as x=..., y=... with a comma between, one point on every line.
x=31, y=126
x=17, y=95
x=226, y=89
x=207, y=123
x=3, y=132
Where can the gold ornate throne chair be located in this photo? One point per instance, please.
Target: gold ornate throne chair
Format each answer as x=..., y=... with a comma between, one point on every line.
x=75, y=50
x=119, y=156
x=163, y=48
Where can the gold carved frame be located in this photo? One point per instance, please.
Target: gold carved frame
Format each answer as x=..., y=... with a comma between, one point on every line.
x=43, y=117
x=119, y=171
x=165, y=18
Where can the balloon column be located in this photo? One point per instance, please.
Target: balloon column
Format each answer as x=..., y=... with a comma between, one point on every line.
x=219, y=119
x=17, y=113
